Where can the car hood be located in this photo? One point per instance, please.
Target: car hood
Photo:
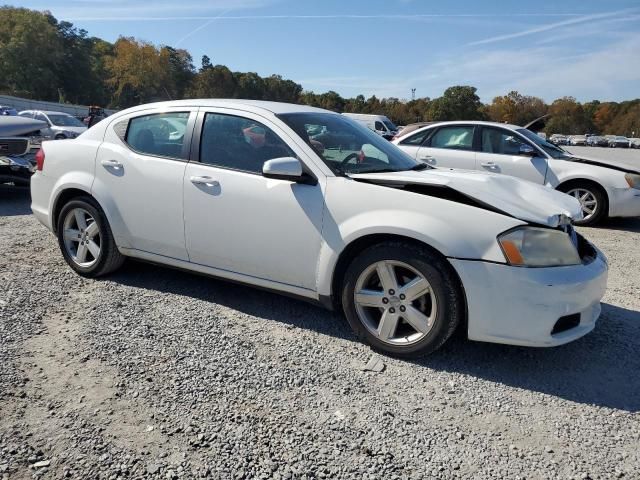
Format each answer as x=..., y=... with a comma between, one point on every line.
x=512, y=196
x=621, y=165
x=16, y=126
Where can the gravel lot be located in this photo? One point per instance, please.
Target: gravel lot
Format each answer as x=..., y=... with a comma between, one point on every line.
x=161, y=374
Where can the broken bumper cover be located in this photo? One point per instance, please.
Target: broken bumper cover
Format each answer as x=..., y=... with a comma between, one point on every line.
x=521, y=306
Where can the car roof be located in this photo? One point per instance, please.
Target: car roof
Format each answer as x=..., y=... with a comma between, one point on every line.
x=46, y=112
x=460, y=122
x=254, y=105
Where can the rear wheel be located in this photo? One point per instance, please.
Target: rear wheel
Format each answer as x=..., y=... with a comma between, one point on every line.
x=593, y=201
x=86, y=240
x=402, y=299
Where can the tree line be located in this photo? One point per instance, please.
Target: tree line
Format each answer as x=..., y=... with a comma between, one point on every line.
x=47, y=59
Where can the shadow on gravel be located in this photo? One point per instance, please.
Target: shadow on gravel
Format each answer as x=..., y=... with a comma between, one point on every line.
x=599, y=369
x=14, y=201
x=625, y=224
x=248, y=300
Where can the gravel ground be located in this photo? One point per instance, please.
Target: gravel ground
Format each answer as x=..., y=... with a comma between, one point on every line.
x=152, y=373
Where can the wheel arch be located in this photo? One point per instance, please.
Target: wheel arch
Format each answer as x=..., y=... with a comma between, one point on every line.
x=358, y=245
x=63, y=197
x=585, y=181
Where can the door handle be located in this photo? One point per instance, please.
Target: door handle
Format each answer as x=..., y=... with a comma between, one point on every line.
x=490, y=165
x=428, y=158
x=111, y=163
x=204, y=181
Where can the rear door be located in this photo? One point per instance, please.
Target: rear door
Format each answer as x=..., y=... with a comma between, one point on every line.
x=140, y=171
x=499, y=152
x=449, y=146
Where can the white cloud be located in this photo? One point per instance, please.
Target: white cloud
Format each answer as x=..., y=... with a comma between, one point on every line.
x=551, y=26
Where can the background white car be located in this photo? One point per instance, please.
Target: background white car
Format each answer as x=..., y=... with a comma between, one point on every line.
x=60, y=125
x=603, y=188
x=245, y=194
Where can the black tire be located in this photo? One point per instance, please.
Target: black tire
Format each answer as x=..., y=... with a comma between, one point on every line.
x=110, y=258
x=599, y=194
x=444, y=284
x=60, y=136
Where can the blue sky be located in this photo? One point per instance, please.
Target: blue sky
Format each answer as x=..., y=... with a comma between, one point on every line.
x=585, y=48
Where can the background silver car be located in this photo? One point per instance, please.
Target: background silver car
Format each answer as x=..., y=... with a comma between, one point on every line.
x=60, y=125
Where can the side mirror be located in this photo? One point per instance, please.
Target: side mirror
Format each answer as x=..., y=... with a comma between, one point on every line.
x=527, y=151
x=287, y=168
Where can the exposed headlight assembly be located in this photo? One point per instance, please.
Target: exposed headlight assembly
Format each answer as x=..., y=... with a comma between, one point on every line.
x=538, y=247
x=633, y=179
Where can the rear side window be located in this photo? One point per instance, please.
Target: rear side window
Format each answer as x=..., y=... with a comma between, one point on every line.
x=159, y=134
x=416, y=139
x=497, y=140
x=239, y=143
x=454, y=137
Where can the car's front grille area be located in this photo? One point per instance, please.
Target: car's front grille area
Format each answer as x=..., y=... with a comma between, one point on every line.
x=566, y=323
x=13, y=146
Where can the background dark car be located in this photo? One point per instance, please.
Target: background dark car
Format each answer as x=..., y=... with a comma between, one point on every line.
x=618, y=141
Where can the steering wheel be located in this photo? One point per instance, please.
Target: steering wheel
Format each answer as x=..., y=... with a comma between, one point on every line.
x=348, y=158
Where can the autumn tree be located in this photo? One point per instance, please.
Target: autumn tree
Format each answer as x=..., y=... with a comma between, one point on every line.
x=516, y=108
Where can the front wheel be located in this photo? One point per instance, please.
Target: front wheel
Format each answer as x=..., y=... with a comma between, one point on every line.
x=402, y=299
x=85, y=239
x=593, y=202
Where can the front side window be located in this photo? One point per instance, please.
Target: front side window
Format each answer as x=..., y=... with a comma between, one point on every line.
x=41, y=117
x=160, y=134
x=239, y=143
x=497, y=140
x=380, y=127
x=454, y=137
x=346, y=147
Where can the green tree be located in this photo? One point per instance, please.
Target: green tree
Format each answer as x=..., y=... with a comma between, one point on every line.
x=457, y=103
x=30, y=51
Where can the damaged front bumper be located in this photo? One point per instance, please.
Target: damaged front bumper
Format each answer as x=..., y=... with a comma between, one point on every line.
x=538, y=307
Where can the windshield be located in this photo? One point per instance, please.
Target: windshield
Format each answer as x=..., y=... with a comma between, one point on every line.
x=346, y=146
x=551, y=149
x=390, y=125
x=65, y=121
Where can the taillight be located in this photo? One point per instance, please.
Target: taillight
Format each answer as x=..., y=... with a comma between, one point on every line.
x=40, y=159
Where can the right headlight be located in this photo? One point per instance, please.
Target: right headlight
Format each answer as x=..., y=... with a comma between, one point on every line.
x=538, y=247
x=633, y=180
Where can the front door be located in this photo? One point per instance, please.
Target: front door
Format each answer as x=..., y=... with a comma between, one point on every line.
x=239, y=221
x=141, y=170
x=499, y=152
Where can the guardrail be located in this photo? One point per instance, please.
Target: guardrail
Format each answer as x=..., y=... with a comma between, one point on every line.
x=26, y=104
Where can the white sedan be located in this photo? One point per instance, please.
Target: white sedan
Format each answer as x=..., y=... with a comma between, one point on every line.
x=243, y=193
x=603, y=188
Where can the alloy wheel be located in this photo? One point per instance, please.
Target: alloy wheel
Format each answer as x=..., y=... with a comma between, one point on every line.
x=395, y=302
x=588, y=202
x=81, y=236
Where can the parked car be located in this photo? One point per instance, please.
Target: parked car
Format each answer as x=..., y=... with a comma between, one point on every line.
x=8, y=111
x=15, y=134
x=378, y=123
x=596, y=141
x=618, y=141
x=634, y=143
x=578, y=140
x=60, y=125
x=409, y=254
x=558, y=139
x=603, y=188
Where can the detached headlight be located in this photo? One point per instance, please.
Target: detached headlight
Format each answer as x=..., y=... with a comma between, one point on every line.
x=538, y=247
x=633, y=179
